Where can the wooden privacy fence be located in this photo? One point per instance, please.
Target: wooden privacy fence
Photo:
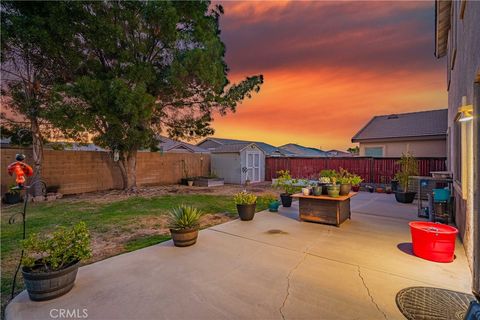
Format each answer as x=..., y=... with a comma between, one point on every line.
x=372, y=170
x=88, y=171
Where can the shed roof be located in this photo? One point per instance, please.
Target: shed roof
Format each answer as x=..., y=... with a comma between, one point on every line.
x=405, y=125
x=234, y=148
x=266, y=148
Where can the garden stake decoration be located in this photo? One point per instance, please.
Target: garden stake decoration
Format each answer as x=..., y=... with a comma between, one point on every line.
x=21, y=171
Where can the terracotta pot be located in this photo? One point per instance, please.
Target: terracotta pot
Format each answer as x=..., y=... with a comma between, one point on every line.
x=379, y=190
x=345, y=189
x=184, y=237
x=190, y=183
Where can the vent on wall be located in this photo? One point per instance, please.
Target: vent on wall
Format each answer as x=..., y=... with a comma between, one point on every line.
x=393, y=116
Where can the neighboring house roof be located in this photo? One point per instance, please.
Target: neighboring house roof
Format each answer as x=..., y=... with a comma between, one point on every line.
x=411, y=125
x=302, y=151
x=268, y=149
x=167, y=144
x=339, y=153
x=442, y=26
x=234, y=148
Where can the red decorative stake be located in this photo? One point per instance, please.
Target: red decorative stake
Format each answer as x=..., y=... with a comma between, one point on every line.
x=21, y=169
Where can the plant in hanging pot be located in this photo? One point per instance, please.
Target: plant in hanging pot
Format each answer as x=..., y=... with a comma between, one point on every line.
x=285, y=182
x=408, y=167
x=333, y=189
x=355, y=181
x=184, y=222
x=51, y=263
x=12, y=196
x=246, y=204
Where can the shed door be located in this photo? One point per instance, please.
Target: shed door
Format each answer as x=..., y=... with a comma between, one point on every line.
x=253, y=166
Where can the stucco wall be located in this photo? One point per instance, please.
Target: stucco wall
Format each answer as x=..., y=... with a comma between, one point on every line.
x=419, y=148
x=462, y=73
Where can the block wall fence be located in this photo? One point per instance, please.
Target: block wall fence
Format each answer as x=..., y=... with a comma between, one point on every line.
x=89, y=171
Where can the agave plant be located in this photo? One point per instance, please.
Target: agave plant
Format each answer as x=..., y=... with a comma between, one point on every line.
x=184, y=217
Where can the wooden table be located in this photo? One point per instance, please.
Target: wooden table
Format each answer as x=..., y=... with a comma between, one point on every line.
x=324, y=209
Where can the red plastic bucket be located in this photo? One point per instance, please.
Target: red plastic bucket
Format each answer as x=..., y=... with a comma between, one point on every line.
x=433, y=241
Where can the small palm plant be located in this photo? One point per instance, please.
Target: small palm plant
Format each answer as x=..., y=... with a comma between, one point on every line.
x=184, y=222
x=184, y=217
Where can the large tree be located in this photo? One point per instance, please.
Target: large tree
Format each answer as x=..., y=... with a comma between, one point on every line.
x=33, y=60
x=147, y=67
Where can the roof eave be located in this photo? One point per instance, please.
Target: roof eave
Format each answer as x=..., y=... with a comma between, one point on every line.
x=442, y=26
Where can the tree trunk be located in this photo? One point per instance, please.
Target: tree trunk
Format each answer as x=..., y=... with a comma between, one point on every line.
x=37, y=148
x=128, y=168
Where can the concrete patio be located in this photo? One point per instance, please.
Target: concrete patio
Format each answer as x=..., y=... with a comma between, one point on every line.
x=273, y=267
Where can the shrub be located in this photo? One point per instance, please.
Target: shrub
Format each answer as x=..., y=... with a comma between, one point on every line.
x=408, y=167
x=268, y=198
x=285, y=182
x=328, y=174
x=184, y=217
x=355, y=180
x=64, y=247
x=244, y=198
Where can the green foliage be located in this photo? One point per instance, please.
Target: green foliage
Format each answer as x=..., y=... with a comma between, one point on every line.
x=408, y=167
x=145, y=241
x=266, y=199
x=244, y=198
x=184, y=217
x=284, y=181
x=328, y=173
x=355, y=180
x=145, y=67
x=18, y=135
x=63, y=247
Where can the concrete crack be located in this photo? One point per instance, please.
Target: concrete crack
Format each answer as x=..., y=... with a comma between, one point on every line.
x=369, y=294
x=288, y=283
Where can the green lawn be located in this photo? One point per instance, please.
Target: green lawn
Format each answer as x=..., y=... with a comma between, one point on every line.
x=115, y=220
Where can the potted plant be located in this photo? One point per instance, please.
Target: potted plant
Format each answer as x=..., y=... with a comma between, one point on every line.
x=270, y=200
x=326, y=179
x=51, y=263
x=408, y=167
x=284, y=181
x=190, y=182
x=12, y=196
x=344, y=178
x=317, y=190
x=370, y=189
x=246, y=203
x=184, y=222
x=355, y=181
x=333, y=189
x=388, y=189
x=379, y=190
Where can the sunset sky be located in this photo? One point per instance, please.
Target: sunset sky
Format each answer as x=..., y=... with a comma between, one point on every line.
x=328, y=67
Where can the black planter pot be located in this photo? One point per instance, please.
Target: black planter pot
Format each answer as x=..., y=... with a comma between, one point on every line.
x=324, y=188
x=12, y=197
x=370, y=189
x=405, y=197
x=394, y=185
x=43, y=286
x=286, y=200
x=184, y=237
x=246, y=212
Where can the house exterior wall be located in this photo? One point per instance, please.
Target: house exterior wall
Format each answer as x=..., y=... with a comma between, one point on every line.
x=419, y=148
x=463, y=68
x=227, y=166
